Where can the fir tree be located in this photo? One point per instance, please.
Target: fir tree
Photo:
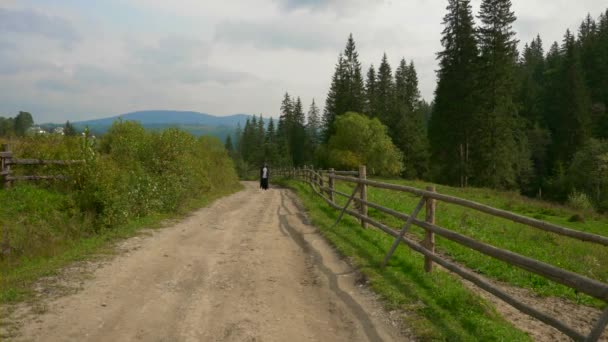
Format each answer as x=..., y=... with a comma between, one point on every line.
x=500, y=153
x=228, y=144
x=370, y=92
x=355, y=97
x=572, y=121
x=412, y=93
x=451, y=123
x=408, y=129
x=384, y=92
x=313, y=124
x=346, y=92
x=334, y=103
x=532, y=69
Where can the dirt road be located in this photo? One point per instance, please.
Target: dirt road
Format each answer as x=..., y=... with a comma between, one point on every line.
x=247, y=268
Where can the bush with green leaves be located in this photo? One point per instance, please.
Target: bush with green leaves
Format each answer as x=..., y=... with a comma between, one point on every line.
x=362, y=141
x=129, y=173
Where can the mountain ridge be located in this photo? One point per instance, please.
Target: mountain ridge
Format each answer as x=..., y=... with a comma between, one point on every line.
x=170, y=117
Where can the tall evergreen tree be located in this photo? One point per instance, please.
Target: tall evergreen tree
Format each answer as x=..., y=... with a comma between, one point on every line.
x=346, y=92
x=501, y=155
x=354, y=80
x=385, y=92
x=572, y=119
x=228, y=144
x=412, y=92
x=298, y=134
x=532, y=70
x=313, y=124
x=334, y=103
x=451, y=124
x=370, y=92
x=408, y=128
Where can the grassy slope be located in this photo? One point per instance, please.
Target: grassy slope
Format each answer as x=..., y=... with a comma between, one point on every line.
x=439, y=307
x=588, y=259
x=17, y=276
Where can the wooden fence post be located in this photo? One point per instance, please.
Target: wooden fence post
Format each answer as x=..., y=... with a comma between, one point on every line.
x=321, y=182
x=362, y=205
x=429, y=240
x=5, y=168
x=331, y=184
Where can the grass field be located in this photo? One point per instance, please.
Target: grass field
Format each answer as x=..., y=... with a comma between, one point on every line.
x=438, y=306
x=585, y=258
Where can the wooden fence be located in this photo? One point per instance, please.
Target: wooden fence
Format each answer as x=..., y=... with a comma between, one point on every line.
x=7, y=161
x=323, y=183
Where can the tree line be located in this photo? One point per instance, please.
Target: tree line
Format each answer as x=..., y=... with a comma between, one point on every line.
x=532, y=121
x=20, y=125
x=16, y=126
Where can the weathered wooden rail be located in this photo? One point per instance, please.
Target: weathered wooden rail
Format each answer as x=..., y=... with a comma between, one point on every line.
x=597, y=289
x=7, y=161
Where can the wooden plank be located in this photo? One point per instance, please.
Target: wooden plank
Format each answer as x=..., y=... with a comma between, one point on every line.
x=599, y=327
x=583, y=236
x=14, y=178
x=43, y=162
x=403, y=231
x=6, y=154
x=576, y=281
x=470, y=276
x=347, y=173
x=567, y=278
x=429, y=238
x=346, y=205
x=363, y=195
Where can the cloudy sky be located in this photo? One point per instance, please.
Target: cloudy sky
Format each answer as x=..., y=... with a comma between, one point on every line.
x=80, y=59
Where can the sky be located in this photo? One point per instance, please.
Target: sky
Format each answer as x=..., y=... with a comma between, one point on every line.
x=82, y=59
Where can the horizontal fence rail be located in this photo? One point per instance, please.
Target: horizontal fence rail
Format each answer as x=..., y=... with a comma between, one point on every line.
x=323, y=183
x=7, y=160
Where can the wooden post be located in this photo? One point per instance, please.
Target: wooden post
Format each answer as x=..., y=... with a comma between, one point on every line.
x=362, y=205
x=5, y=168
x=331, y=184
x=321, y=183
x=429, y=240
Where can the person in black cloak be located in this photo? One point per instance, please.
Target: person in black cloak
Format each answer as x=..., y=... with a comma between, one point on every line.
x=264, y=176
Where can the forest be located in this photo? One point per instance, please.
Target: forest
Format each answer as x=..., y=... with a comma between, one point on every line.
x=533, y=121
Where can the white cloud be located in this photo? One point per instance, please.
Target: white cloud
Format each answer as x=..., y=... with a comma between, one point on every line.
x=64, y=60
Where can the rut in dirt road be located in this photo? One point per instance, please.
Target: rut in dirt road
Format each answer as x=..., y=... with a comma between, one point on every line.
x=247, y=268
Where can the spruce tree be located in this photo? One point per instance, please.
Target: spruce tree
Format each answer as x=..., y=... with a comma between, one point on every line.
x=412, y=93
x=334, y=103
x=370, y=92
x=353, y=78
x=228, y=144
x=313, y=125
x=408, y=129
x=451, y=122
x=500, y=154
x=346, y=92
x=601, y=124
x=298, y=134
x=532, y=70
x=571, y=119
x=384, y=104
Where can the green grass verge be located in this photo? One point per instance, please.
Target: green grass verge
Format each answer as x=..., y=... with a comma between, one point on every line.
x=584, y=258
x=18, y=275
x=439, y=307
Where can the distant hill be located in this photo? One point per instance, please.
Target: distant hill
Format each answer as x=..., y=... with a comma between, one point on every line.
x=196, y=123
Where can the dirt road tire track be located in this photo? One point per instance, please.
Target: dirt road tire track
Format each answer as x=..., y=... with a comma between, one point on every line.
x=247, y=268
